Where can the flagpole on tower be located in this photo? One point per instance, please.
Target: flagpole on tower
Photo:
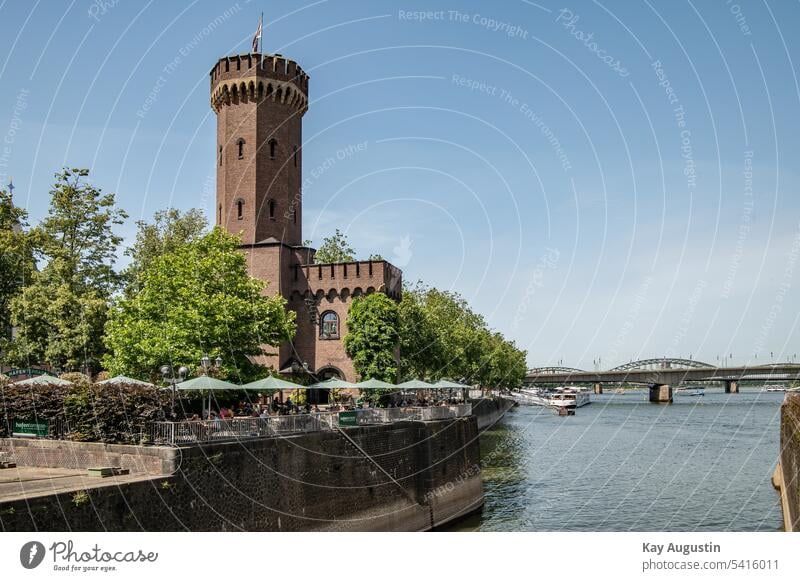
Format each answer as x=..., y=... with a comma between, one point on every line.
x=261, y=33
x=257, y=37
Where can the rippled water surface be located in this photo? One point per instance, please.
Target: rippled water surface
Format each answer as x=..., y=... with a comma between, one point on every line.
x=622, y=463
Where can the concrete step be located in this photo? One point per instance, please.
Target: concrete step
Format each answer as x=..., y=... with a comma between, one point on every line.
x=106, y=471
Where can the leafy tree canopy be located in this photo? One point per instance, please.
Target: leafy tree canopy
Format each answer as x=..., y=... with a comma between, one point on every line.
x=372, y=336
x=196, y=300
x=169, y=230
x=77, y=237
x=441, y=337
x=17, y=262
x=335, y=248
x=60, y=315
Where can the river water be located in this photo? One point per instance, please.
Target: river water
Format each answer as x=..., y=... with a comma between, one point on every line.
x=622, y=463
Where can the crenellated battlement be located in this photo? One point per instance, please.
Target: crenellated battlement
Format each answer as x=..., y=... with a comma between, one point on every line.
x=348, y=278
x=253, y=77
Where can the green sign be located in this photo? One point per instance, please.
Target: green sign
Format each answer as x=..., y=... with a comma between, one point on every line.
x=30, y=428
x=348, y=418
x=25, y=371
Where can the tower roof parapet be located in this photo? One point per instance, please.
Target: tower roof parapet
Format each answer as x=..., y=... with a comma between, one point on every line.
x=254, y=77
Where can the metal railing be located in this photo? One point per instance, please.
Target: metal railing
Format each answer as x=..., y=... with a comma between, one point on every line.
x=218, y=430
x=190, y=432
x=414, y=414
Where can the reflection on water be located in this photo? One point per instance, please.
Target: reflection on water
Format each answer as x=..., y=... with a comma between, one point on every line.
x=622, y=463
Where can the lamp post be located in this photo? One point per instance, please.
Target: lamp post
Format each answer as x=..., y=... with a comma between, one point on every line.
x=296, y=369
x=208, y=365
x=169, y=375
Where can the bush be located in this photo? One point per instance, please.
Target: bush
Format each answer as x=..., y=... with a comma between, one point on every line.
x=30, y=403
x=92, y=413
x=78, y=379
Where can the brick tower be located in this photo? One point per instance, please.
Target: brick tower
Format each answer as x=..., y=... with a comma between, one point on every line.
x=260, y=101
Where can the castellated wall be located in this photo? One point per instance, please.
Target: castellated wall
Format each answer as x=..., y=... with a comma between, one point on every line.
x=312, y=290
x=314, y=482
x=332, y=287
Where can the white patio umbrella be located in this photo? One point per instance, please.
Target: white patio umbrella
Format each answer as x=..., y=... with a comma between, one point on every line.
x=375, y=384
x=415, y=384
x=204, y=383
x=123, y=380
x=42, y=380
x=332, y=383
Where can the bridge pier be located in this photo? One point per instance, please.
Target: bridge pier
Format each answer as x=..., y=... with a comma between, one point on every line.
x=598, y=388
x=731, y=386
x=660, y=394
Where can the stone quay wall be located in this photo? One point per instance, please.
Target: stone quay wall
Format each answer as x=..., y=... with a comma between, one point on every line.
x=422, y=475
x=489, y=410
x=787, y=477
x=82, y=455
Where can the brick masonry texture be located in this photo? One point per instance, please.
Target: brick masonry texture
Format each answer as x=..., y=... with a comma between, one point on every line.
x=314, y=482
x=80, y=455
x=259, y=102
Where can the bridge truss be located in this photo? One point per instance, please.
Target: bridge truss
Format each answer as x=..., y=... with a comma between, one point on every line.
x=663, y=363
x=553, y=370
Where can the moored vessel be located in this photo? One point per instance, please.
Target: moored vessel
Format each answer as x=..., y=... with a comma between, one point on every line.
x=560, y=397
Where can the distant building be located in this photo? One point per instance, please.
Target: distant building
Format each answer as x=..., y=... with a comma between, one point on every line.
x=260, y=101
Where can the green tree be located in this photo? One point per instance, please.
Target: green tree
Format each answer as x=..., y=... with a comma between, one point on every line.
x=169, y=230
x=60, y=315
x=335, y=248
x=372, y=336
x=17, y=263
x=193, y=301
x=421, y=352
x=441, y=337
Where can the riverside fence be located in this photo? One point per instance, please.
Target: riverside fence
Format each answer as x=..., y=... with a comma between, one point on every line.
x=202, y=431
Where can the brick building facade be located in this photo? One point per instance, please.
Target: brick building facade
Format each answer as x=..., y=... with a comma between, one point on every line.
x=260, y=102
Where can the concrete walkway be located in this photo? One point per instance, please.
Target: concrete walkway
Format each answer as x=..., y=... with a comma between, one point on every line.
x=28, y=482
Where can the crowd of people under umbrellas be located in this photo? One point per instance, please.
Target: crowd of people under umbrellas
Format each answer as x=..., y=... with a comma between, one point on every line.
x=274, y=406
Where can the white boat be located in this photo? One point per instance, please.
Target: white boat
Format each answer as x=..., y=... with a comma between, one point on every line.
x=560, y=397
x=776, y=388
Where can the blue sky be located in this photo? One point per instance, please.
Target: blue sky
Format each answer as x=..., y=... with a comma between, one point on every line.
x=528, y=155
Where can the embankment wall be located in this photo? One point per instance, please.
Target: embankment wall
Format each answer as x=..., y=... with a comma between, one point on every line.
x=490, y=410
x=422, y=475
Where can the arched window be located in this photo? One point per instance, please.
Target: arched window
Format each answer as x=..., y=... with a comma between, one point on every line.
x=329, y=325
x=271, y=207
x=272, y=147
x=240, y=143
x=239, y=209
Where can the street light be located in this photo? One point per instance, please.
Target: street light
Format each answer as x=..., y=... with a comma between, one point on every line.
x=168, y=373
x=205, y=363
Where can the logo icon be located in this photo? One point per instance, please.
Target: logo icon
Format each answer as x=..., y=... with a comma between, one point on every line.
x=31, y=554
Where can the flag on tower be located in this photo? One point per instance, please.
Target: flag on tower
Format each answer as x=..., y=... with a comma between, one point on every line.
x=257, y=37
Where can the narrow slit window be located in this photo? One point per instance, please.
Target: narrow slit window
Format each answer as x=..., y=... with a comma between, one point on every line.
x=239, y=209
